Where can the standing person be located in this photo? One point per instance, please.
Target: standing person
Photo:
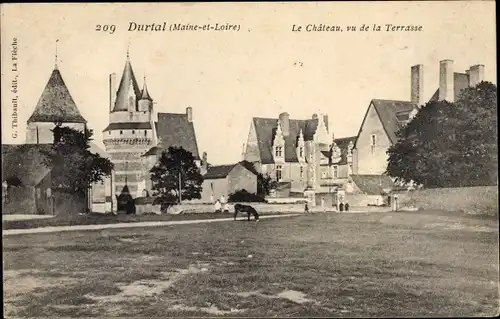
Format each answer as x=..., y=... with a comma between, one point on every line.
x=306, y=207
x=217, y=206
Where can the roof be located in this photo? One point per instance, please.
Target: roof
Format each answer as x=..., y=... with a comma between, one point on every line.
x=175, y=130
x=249, y=166
x=145, y=94
x=392, y=115
x=122, y=94
x=98, y=150
x=343, y=144
x=128, y=126
x=218, y=171
x=152, y=151
x=265, y=129
x=24, y=161
x=460, y=82
x=56, y=103
x=372, y=184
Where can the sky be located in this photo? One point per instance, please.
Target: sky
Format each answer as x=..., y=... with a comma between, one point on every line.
x=227, y=78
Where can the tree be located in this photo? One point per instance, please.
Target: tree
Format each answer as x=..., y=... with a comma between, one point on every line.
x=265, y=184
x=449, y=144
x=176, y=177
x=74, y=167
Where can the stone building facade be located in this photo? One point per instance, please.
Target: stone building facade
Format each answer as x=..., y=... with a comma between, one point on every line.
x=299, y=154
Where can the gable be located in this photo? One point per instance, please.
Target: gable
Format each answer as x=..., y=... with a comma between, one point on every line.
x=252, y=152
x=265, y=131
x=175, y=130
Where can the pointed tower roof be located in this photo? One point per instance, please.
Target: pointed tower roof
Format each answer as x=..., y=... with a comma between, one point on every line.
x=123, y=90
x=56, y=103
x=145, y=94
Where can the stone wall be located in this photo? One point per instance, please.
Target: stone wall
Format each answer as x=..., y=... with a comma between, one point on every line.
x=472, y=200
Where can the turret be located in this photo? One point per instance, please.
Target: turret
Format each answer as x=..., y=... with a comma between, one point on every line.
x=146, y=102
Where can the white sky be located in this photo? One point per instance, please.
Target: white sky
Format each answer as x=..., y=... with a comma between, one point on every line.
x=229, y=77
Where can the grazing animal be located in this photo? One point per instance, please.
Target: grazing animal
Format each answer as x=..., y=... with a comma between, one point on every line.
x=240, y=208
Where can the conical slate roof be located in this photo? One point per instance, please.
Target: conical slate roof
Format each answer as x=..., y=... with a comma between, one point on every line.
x=56, y=103
x=123, y=90
x=145, y=94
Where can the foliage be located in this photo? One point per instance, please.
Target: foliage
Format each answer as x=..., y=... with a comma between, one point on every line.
x=265, y=184
x=244, y=196
x=450, y=144
x=176, y=164
x=74, y=167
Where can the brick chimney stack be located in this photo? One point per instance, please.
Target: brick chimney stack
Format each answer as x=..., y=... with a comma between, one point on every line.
x=189, y=113
x=446, y=81
x=285, y=123
x=476, y=74
x=112, y=91
x=417, y=84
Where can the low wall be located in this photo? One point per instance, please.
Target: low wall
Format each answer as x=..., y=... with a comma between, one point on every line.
x=472, y=200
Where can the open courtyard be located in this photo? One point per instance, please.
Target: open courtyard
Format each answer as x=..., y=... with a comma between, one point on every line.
x=324, y=264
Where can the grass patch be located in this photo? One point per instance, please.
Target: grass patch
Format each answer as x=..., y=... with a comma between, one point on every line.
x=103, y=219
x=347, y=265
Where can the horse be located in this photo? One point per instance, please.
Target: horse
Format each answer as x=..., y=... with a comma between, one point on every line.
x=240, y=208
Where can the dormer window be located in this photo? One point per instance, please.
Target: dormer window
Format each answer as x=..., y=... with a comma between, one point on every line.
x=279, y=151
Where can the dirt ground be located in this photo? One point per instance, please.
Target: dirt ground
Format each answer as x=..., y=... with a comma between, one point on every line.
x=374, y=264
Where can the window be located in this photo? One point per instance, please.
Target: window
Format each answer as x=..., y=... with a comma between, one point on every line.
x=335, y=171
x=38, y=193
x=109, y=132
x=279, y=151
x=373, y=142
x=278, y=173
x=301, y=171
x=121, y=132
x=145, y=133
x=133, y=131
x=301, y=152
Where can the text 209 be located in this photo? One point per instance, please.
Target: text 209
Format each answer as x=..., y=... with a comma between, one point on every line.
x=110, y=28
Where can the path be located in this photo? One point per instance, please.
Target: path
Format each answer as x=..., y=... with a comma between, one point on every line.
x=54, y=229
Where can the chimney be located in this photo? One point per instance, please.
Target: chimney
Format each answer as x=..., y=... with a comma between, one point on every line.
x=112, y=91
x=285, y=123
x=417, y=84
x=476, y=74
x=189, y=113
x=315, y=116
x=204, y=164
x=446, y=79
x=325, y=119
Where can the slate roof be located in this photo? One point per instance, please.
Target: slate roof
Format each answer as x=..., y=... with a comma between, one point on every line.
x=389, y=111
x=25, y=162
x=175, y=130
x=265, y=129
x=249, y=166
x=123, y=89
x=98, y=150
x=128, y=126
x=372, y=184
x=343, y=144
x=218, y=171
x=460, y=82
x=56, y=103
